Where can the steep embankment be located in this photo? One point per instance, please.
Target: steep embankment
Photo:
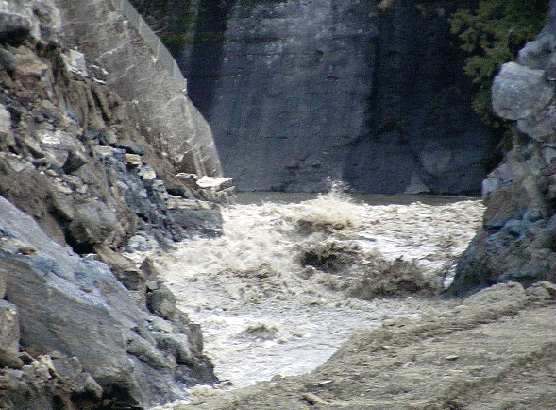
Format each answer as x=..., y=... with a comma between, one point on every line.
x=166, y=115
x=299, y=91
x=81, y=326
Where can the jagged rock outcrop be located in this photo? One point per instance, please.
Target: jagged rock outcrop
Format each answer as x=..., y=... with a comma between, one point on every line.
x=300, y=91
x=79, y=183
x=518, y=237
x=67, y=138
x=77, y=307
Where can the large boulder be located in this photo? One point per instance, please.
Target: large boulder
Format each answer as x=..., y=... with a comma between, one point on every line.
x=517, y=241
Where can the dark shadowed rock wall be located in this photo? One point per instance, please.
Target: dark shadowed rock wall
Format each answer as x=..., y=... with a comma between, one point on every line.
x=300, y=91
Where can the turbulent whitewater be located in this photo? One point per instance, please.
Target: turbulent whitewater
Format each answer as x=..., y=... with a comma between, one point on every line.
x=281, y=289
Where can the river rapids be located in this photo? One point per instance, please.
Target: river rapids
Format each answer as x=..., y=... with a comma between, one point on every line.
x=289, y=281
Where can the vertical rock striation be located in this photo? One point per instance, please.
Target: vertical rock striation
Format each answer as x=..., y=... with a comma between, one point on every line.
x=285, y=89
x=423, y=136
x=165, y=114
x=300, y=91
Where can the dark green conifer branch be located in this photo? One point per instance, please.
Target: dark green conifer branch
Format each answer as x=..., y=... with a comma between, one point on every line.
x=492, y=35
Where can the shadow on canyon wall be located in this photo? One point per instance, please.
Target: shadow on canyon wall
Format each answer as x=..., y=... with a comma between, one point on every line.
x=297, y=92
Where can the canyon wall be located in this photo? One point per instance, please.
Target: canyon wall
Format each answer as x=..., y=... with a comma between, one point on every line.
x=300, y=91
x=163, y=111
x=82, y=178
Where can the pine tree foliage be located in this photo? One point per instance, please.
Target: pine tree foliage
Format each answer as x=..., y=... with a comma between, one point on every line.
x=492, y=35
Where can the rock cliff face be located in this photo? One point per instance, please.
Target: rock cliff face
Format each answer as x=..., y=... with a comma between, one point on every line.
x=300, y=91
x=518, y=237
x=167, y=118
x=81, y=325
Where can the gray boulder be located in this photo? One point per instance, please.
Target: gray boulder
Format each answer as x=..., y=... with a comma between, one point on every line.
x=79, y=308
x=518, y=91
x=46, y=382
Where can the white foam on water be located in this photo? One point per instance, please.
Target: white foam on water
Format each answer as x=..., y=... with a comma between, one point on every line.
x=250, y=277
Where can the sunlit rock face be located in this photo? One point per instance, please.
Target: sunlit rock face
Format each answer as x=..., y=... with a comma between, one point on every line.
x=300, y=91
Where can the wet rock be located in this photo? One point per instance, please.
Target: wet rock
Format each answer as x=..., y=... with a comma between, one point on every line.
x=149, y=269
x=397, y=278
x=97, y=320
x=261, y=331
x=122, y=267
x=194, y=215
x=331, y=257
x=178, y=345
x=48, y=381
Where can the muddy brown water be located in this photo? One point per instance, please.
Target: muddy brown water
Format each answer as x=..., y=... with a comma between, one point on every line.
x=265, y=316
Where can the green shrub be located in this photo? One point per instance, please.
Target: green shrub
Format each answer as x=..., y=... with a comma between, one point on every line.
x=492, y=35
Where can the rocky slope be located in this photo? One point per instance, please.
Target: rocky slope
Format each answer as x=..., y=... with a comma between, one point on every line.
x=82, y=326
x=300, y=91
x=518, y=237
